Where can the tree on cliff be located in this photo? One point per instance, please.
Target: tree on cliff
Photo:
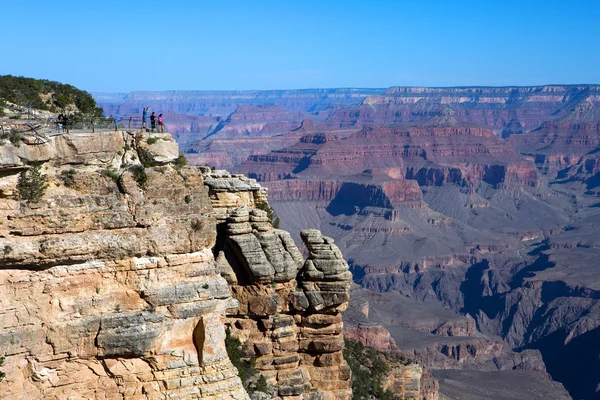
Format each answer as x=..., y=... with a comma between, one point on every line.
x=263, y=205
x=43, y=94
x=32, y=184
x=369, y=370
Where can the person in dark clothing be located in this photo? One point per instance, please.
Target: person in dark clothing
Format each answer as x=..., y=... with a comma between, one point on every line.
x=66, y=122
x=153, y=121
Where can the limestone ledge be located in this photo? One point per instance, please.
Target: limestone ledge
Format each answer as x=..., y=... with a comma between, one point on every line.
x=112, y=287
x=108, y=285
x=135, y=327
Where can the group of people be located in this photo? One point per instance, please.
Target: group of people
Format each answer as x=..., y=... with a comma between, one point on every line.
x=153, y=120
x=63, y=122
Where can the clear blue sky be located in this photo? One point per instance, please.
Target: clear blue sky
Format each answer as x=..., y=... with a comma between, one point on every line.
x=124, y=45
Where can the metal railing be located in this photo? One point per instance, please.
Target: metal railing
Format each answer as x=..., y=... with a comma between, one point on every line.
x=79, y=123
x=136, y=122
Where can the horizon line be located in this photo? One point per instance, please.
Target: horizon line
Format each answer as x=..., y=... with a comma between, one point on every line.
x=356, y=88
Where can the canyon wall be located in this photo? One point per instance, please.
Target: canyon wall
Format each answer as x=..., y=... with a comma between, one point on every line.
x=122, y=280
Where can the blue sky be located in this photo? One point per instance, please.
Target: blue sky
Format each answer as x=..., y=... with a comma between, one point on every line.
x=124, y=45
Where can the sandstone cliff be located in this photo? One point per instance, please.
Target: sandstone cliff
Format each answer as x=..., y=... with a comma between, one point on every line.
x=109, y=286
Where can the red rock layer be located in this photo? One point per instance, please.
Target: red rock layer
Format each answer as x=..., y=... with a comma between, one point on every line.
x=462, y=155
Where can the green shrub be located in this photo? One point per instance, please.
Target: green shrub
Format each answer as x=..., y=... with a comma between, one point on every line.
x=261, y=384
x=14, y=117
x=369, y=371
x=111, y=173
x=32, y=184
x=139, y=174
x=15, y=137
x=263, y=205
x=246, y=367
x=2, y=373
x=145, y=157
x=2, y=113
x=152, y=140
x=27, y=91
x=187, y=199
x=67, y=177
x=180, y=162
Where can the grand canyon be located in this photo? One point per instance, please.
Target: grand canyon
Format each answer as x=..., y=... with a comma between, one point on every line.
x=468, y=216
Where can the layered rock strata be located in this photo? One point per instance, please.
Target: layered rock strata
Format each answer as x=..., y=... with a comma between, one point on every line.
x=110, y=288
x=108, y=285
x=289, y=314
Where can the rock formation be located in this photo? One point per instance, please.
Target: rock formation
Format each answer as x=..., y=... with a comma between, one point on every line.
x=288, y=317
x=109, y=286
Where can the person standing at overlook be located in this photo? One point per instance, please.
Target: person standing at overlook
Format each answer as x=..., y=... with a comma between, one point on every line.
x=59, y=123
x=145, y=116
x=161, y=124
x=153, y=122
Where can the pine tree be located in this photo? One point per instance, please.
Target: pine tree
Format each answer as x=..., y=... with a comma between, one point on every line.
x=32, y=184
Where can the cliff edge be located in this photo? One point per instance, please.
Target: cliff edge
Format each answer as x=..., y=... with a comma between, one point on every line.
x=120, y=282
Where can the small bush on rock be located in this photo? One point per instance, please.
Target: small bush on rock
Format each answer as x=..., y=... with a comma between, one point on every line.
x=261, y=384
x=67, y=177
x=263, y=205
x=111, y=173
x=32, y=184
x=2, y=373
x=15, y=137
x=139, y=174
x=245, y=367
x=369, y=370
x=180, y=162
x=145, y=157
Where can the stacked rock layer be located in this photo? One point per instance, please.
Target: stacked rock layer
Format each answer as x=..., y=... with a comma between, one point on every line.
x=110, y=288
x=289, y=314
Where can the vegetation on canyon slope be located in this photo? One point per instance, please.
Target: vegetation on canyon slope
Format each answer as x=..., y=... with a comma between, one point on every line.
x=43, y=94
x=251, y=380
x=369, y=370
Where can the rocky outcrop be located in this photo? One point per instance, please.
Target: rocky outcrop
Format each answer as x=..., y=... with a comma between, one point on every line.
x=411, y=382
x=109, y=288
x=121, y=281
x=373, y=335
x=289, y=314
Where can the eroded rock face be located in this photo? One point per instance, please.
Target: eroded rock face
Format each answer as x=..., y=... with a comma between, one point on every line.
x=109, y=288
x=289, y=312
x=119, y=282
